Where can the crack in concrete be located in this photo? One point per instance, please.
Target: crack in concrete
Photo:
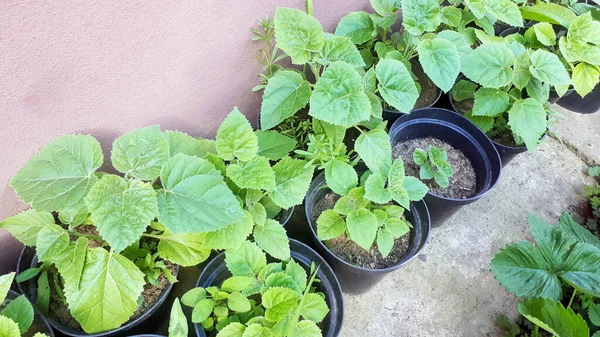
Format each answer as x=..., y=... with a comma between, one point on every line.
x=573, y=148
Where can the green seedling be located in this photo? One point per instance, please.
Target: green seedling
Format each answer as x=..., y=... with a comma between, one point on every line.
x=434, y=165
x=17, y=315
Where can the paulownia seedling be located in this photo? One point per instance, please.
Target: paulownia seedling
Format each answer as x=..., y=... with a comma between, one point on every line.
x=433, y=164
x=260, y=299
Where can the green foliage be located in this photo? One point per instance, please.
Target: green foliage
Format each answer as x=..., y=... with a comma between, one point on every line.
x=553, y=317
x=298, y=34
x=260, y=299
x=433, y=164
x=178, y=326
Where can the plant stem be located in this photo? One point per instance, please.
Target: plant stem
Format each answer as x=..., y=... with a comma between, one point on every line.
x=572, y=297
x=310, y=10
x=91, y=237
x=159, y=237
x=536, y=331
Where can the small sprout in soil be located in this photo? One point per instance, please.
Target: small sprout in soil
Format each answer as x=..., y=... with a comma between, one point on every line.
x=434, y=165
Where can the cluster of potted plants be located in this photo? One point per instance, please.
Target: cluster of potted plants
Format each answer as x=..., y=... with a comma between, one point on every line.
x=104, y=249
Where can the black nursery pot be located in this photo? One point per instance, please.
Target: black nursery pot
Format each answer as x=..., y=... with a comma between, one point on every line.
x=40, y=324
x=355, y=279
x=142, y=325
x=216, y=272
x=461, y=134
x=391, y=115
x=585, y=105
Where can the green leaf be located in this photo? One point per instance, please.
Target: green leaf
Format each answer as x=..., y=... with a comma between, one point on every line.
x=340, y=176
x=274, y=145
x=490, y=102
x=26, y=225
x=385, y=7
x=52, y=241
x=5, y=283
x=235, y=138
x=463, y=90
x=522, y=74
x=415, y=188
x=358, y=26
x=184, y=249
x=450, y=16
x=575, y=230
x=256, y=174
x=397, y=226
x=257, y=330
x=286, y=93
x=362, y=226
x=420, y=157
x=440, y=61
x=527, y=119
x=108, y=293
x=297, y=272
x=233, y=329
x=141, y=153
x=506, y=11
x=375, y=149
x=338, y=97
x=8, y=328
x=549, y=12
x=178, y=326
x=522, y=270
x=339, y=48
x=585, y=79
x=538, y=90
x=202, y=310
x=193, y=296
x=385, y=242
x=545, y=33
x=306, y=329
x=71, y=261
x=477, y=7
x=584, y=29
x=238, y=303
x=355, y=199
x=396, y=85
x=60, y=174
x=121, y=209
x=231, y=236
x=397, y=175
x=375, y=189
x=553, y=317
x=314, y=307
x=581, y=269
x=292, y=178
x=490, y=65
x=548, y=68
x=279, y=302
x=330, y=225
x=195, y=198
x=420, y=16
x=236, y=283
x=297, y=34
x=460, y=42
x=259, y=213
x=369, y=81
x=20, y=311
x=43, y=293
x=247, y=260
x=180, y=142
x=272, y=238
x=594, y=314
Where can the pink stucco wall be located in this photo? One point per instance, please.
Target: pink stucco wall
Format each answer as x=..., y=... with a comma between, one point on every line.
x=105, y=67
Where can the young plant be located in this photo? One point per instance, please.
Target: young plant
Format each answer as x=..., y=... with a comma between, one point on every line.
x=93, y=226
x=545, y=272
x=434, y=165
x=269, y=55
x=364, y=214
x=244, y=160
x=260, y=299
x=16, y=316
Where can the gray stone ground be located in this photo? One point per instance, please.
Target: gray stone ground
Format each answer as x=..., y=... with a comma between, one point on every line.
x=449, y=291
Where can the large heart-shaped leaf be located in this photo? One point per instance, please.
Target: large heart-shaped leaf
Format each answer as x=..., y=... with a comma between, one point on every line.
x=274, y=145
x=195, y=198
x=553, y=317
x=440, y=61
x=527, y=119
x=362, y=226
x=26, y=225
x=396, y=85
x=420, y=16
x=60, y=174
x=108, y=292
x=180, y=142
x=548, y=68
x=272, y=238
x=285, y=94
x=375, y=149
x=339, y=48
x=490, y=102
x=235, y=138
x=338, y=97
x=141, y=153
x=297, y=34
x=584, y=29
x=358, y=26
x=292, y=177
x=490, y=65
x=184, y=249
x=121, y=209
x=255, y=174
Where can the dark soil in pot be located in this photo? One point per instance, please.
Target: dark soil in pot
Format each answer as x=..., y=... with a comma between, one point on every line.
x=39, y=323
x=352, y=253
x=463, y=182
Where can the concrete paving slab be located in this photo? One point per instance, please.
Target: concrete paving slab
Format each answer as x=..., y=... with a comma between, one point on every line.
x=581, y=133
x=449, y=291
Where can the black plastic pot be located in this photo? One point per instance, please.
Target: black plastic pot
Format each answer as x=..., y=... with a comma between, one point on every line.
x=216, y=272
x=355, y=279
x=150, y=318
x=40, y=324
x=464, y=136
x=585, y=105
